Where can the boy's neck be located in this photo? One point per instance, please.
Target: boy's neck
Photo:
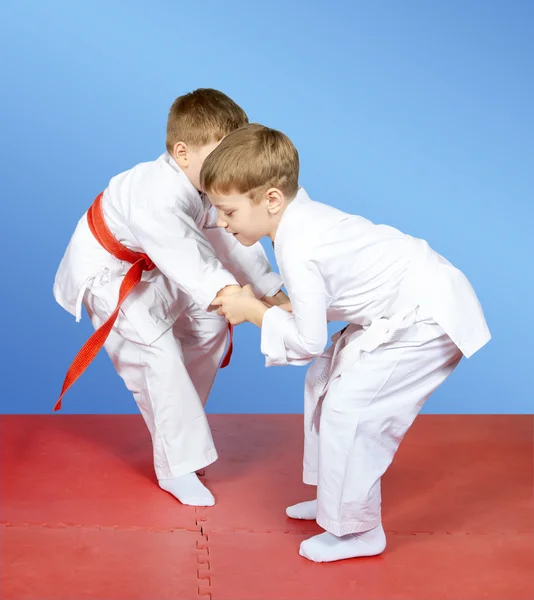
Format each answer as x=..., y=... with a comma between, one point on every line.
x=276, y=221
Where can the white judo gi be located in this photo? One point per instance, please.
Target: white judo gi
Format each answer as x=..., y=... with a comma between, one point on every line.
x=164, y=344
x=411, y=315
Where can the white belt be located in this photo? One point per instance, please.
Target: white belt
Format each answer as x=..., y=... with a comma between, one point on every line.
x=347, y=351
x=378, y=332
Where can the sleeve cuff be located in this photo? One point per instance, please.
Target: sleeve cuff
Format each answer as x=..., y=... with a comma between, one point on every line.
x=268, y=285
x=272, y=336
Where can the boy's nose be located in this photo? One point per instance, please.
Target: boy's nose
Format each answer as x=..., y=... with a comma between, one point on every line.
x=221, y=222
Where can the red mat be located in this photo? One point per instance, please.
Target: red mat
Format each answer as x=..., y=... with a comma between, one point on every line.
x=83, y=518
x=75, y=563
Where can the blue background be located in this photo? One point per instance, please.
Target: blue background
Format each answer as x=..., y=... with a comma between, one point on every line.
x=418, y=114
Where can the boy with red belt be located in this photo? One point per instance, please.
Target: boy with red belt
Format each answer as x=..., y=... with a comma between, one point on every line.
x=146, y=261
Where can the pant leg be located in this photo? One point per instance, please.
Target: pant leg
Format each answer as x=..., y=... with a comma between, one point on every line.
x=311, y=421
x=365, y=415
x=158, y=378
x=203, y=337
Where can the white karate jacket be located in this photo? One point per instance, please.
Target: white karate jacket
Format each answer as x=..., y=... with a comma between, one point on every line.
x=341, y=267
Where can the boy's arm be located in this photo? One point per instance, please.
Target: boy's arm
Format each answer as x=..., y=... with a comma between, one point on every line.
x=177, y=246
x=248, y=264
x=287, y=338
x=297, y=337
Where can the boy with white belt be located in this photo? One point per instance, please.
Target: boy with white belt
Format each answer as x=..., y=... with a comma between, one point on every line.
x=411, y=315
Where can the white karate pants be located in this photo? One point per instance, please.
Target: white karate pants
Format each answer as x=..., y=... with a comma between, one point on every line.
x=352, y=435
x=170, y=380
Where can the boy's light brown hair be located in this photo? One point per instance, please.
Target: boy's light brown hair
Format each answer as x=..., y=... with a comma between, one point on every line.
x=202, y=117
x=251, y=160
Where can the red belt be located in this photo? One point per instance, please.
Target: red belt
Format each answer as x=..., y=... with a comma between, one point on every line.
x=140, y=262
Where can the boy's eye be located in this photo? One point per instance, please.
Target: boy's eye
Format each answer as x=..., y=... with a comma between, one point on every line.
x=229, y=214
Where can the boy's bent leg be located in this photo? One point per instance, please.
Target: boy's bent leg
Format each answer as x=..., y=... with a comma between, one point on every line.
x=311, y=417
x=165, y=395
x=203, y=337
x=365, y=415
x=308, y=509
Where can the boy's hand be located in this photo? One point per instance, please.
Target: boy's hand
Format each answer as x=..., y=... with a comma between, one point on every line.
x=225, y=291
x=276, y=300
x=241, y=306
x=229, y=289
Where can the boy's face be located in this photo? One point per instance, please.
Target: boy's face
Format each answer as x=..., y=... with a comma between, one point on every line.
x=248, y=222
x=190, y=160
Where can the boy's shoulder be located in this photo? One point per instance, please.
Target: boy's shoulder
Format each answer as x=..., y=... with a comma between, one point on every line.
x=156, y=183
x=307, y=221
x=312, y=211
x=159, y=170
x=301, y=231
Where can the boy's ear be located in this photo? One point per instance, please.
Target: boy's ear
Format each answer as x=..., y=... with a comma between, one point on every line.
x=181, y=154
x=275, y=200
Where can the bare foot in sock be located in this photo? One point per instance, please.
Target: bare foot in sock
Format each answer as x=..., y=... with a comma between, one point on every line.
x=326, y=547
x=188, y=489
x=303, y=510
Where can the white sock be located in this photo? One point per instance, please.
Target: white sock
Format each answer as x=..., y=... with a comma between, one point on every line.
x=188, y=489
x=326, y=547
x=303, y=510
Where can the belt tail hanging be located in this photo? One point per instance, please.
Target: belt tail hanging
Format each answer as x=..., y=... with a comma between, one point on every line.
x=228, y=355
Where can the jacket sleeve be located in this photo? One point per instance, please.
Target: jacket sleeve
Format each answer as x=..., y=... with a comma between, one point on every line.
x=299, y=337
x=179, y=249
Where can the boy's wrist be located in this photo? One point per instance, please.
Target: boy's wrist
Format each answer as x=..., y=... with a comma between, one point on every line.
x=279, y=298
x=255, y=310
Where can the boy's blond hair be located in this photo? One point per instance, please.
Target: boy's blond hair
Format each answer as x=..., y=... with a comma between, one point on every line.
x=202, y=117
x=250, y=161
